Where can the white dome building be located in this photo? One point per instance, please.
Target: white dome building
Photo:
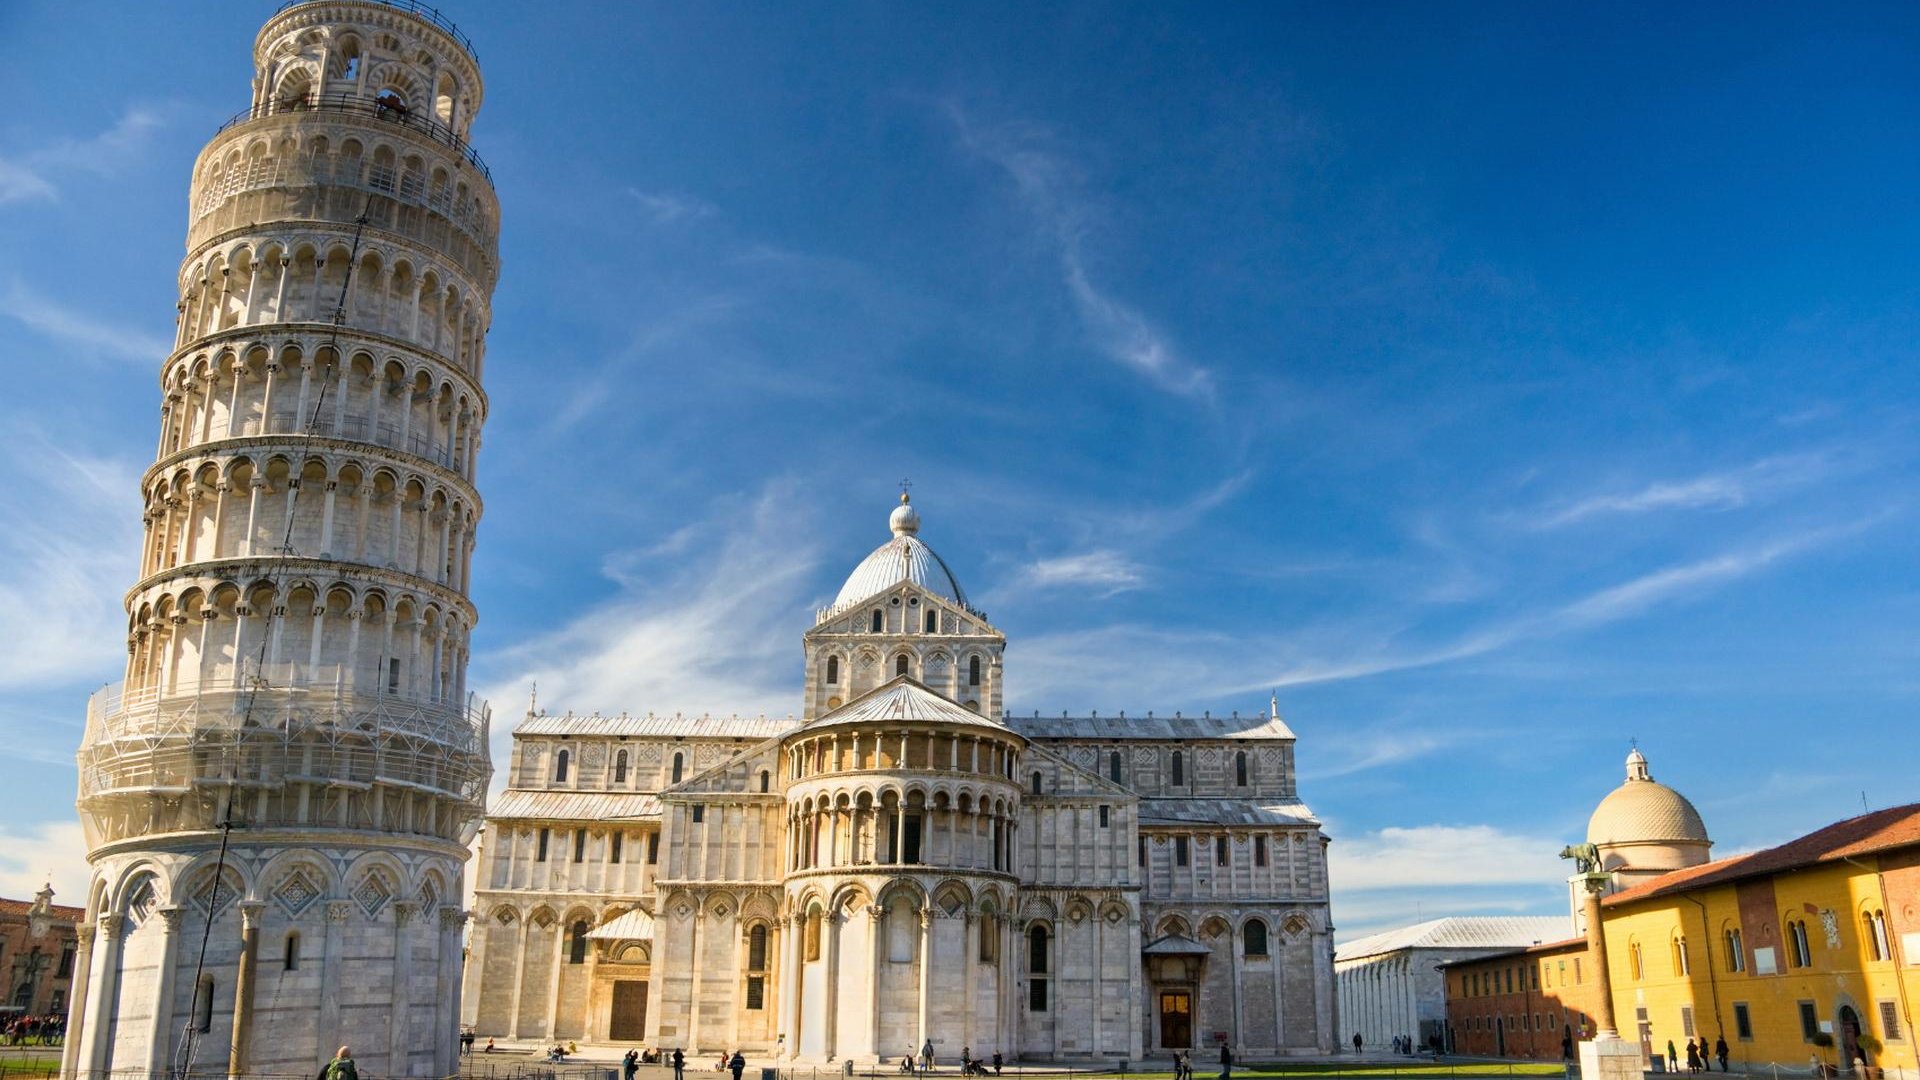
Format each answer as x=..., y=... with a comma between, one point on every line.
x=1643, y=829
x=905, y=862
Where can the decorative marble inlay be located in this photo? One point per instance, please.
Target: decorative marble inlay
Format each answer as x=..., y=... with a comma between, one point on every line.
x=372, y=893
x=297, y=892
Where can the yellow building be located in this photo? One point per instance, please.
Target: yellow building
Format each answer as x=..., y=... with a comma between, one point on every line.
x=1775, y=949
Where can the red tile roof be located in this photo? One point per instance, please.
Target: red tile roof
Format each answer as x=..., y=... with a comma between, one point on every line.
x=1868, y=834
x=58, y=911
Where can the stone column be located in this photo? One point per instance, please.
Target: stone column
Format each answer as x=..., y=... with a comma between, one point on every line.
x=77, y=1002
x=830, y=1031
x=926, y=975
x=969, y=960
x=240, y=1047
x=163, y=993
x=100, y=1056
x=877, y=959
x=553, y=989
x=693, y=963
x=789, y=983
x=1603, y=1018
x=446, y=1054
x=338, y=912
x=400, y=1030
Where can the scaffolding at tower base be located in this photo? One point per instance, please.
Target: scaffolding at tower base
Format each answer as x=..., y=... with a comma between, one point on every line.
x=295, y=753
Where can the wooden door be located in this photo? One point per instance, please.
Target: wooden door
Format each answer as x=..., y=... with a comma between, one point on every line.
x=1176, y=1020
x=629, y=1020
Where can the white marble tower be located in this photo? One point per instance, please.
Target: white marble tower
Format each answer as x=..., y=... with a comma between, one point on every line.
x=298, y=635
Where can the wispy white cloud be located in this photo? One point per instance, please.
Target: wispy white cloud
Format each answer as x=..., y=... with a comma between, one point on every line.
x=1360, y=751
x=33, y=854
x=1630, y=598
x=81, y=333
x=1724, y=490
x=35, y=174
x=708, y=639
x=669, y=208
x=1173, y=666
x=1399, y=875
x=1104, y=572
x=71, y=526
x=1051, y=191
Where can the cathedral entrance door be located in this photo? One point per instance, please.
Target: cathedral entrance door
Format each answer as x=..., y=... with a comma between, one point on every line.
x=629, y=1020
x=1176, y=1020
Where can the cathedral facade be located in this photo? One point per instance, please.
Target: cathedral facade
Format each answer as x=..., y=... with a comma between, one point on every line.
x=904, y=862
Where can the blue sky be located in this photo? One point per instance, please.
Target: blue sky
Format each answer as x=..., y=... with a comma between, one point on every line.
x=1497, y=382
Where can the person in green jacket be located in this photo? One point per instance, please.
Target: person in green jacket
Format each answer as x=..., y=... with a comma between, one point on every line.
x=341, y=1067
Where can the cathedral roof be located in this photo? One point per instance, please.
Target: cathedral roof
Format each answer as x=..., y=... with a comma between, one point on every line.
x=1645, y=811
x=574, y=805
x=1154, y=811
x=1123, y=728
x=1460, y=932
x=902, y=699
x=676, y=726
x=905, y=558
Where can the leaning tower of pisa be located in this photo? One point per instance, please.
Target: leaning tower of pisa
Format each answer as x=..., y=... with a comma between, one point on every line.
x=278, y=798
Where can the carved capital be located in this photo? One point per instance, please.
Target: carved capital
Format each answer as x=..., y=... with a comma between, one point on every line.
x=404, y=911
x=250, y=912
x=83, y=936
x=111, y=925
x=170, y=917
x=452, y=918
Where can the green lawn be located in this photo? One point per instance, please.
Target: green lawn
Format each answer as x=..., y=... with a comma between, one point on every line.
x=28, y=1061
x=1357, y=1069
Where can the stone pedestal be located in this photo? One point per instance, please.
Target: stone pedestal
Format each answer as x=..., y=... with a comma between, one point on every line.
x=1609, y=1057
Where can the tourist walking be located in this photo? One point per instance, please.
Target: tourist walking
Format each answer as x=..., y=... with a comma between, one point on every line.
x=997, y=1062
x=1720, y=1051
x=629, y=1064
x=1226, y=1061
x=1356, y=1042
x=679, y=1064
x=926, y=1056
x=1693, y=1058
x=1673, y=1057
x=341, y=1067
x=737, y=1065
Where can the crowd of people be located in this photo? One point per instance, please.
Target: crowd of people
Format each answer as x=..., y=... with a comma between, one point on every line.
x=1697, y=1055
x=33, y=1030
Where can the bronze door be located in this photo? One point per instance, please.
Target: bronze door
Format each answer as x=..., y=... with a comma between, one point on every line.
x=629, y=1020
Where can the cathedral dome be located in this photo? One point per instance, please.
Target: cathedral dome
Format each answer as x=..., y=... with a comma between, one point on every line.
x=902, y=559
x=1657, y=822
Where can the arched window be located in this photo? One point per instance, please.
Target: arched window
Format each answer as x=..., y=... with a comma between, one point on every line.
x=973, y=671
x=1036, y=783
x=1879, y=945
x=1113, y=766
x=620, y=767
x=1736, y=955
x=812, y=940
x=577, y=943
x=1682, y=965
x=933, y=621
x=1179, y=769
x=290, y=955
x=1255, y=936
x=679, y=766
x=757, y=948
x=900, y=664
x=203, y=1005
x=1037, y=950
x=1240, y=768
x=877, y=624
x=1636, y=964
x=989, y=938
x=1798, y=949
x=766, y=781
x=560, y=767
x=833, y=671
